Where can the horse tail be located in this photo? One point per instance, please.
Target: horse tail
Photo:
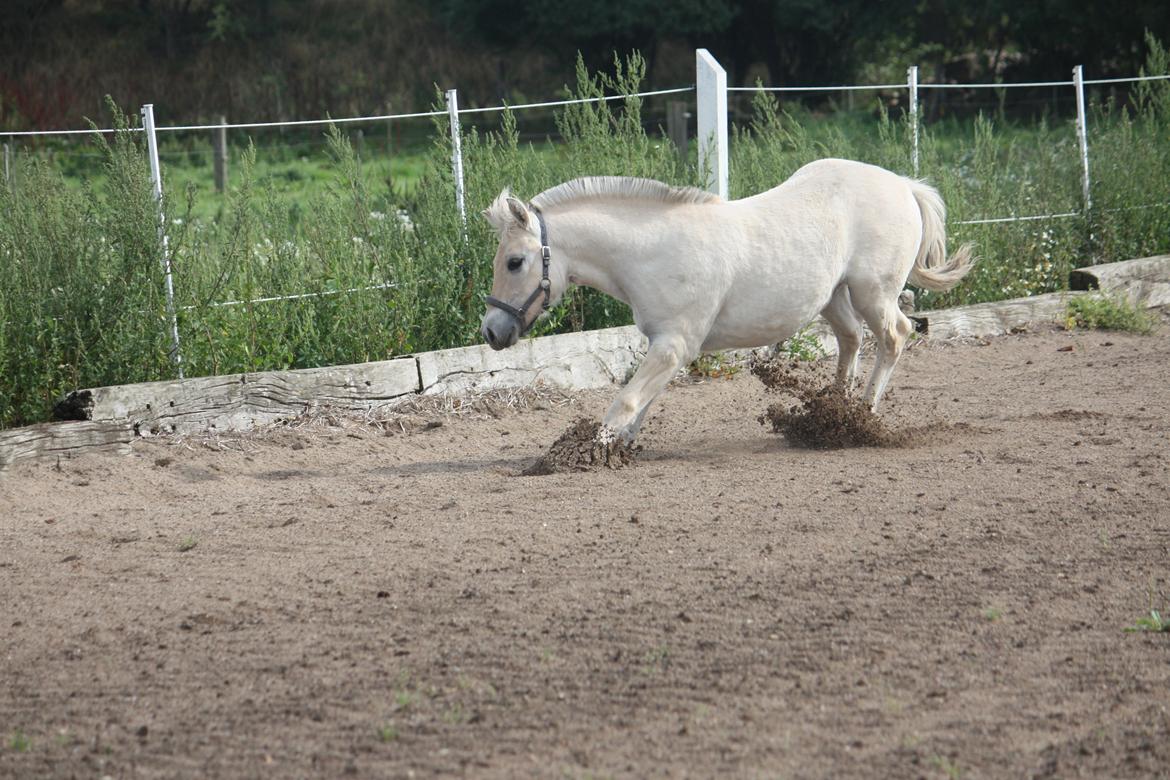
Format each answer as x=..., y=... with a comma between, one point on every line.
x=933, y=270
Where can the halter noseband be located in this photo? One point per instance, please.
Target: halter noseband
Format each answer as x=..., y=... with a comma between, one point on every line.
x=545, y=286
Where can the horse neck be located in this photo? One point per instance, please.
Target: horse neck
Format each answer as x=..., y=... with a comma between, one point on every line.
x=598, y=241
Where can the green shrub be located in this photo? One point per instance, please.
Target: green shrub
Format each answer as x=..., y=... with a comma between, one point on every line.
x=1103, y=313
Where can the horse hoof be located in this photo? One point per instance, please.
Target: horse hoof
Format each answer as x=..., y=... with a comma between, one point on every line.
x=605, y=436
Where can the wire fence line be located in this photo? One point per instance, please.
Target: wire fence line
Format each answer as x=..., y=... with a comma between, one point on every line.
x=1035, y=218
x=292, y=297
x=840, y=88
x=927, y=85
x=1128, y=79
x=348, y=120
x=558, y=103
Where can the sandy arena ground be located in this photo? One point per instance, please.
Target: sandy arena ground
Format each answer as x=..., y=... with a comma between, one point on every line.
x=348, y=600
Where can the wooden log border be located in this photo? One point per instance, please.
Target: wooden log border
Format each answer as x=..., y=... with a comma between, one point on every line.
x=113, y=418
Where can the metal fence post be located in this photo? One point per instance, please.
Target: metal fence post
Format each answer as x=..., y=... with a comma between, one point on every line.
x=711, y=96
x=912, y=79
x=7, y=166
x=457, y=154
x=1083, y=137
x=156, y=184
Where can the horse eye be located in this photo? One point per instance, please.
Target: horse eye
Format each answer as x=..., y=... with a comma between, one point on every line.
x=514, y=263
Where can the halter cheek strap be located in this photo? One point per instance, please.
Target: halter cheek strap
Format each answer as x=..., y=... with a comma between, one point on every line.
x=544, y=288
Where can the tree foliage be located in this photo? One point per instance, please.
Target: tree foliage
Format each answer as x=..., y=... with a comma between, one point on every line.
x=284, y=58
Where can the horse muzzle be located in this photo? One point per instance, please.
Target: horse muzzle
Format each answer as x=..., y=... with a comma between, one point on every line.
x=499, y=329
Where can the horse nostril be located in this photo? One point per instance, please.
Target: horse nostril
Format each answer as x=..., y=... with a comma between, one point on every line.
x=490, y=334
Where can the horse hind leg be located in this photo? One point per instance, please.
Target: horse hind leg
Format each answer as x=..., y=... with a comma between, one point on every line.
x=891, y=328
x=846, y=325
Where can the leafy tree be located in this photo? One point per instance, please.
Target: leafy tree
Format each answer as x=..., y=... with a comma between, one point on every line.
x=594, y=28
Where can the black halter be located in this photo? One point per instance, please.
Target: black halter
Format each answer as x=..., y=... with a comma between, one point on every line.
x=544, y=288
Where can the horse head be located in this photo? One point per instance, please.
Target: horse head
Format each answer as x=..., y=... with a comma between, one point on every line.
x=520, y=272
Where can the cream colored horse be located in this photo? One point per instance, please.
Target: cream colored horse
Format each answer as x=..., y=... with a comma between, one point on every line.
x=839, y=239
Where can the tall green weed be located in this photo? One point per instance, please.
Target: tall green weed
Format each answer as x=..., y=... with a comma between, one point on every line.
x=82, y=295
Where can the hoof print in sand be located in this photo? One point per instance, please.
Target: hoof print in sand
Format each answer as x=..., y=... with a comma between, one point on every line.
x=825, y=417
x=580, y=449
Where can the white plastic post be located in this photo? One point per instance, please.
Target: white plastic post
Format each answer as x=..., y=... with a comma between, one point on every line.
x=1083, y=137
x=219, y=156
x=711, y=96
x=912, y=83
x=156, y=184
x=457, y=154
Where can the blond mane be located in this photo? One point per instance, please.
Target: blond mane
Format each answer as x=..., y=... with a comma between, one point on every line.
x=591, y=187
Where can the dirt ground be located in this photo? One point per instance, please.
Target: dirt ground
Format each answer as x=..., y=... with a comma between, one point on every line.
x=397, y=601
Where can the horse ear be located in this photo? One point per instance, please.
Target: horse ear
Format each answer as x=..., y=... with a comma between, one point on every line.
x=519, y=211
x=497, y=212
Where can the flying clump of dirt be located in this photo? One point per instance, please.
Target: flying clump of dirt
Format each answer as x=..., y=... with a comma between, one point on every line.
x=578, y=449
x=825, y=416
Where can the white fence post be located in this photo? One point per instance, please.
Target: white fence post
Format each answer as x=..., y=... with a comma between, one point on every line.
x=219, y=156
x=711, y=96
x=156, y=183
x=457, y=154
x=912, y=79
x=1083, y=137
x=7, y=166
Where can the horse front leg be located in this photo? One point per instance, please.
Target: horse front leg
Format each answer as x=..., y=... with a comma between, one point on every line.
x=667, y=354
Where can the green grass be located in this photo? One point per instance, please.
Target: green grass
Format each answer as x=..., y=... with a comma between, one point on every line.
x=803, y=346
x=947, y=767
x=656, y=660
x=293, y=166
x=83, y=306
x=1103, y=313
x=19, y=742
x=715, y=365
x=1152, y=622
x=455, y=715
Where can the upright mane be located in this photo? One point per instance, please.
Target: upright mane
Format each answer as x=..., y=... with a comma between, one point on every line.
x=591, y=187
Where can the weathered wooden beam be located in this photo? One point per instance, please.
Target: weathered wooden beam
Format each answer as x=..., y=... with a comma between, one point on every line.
x=982, y=320
x=243, y=401
x=47, y=440
x=578, y=361
x=1144, y=281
